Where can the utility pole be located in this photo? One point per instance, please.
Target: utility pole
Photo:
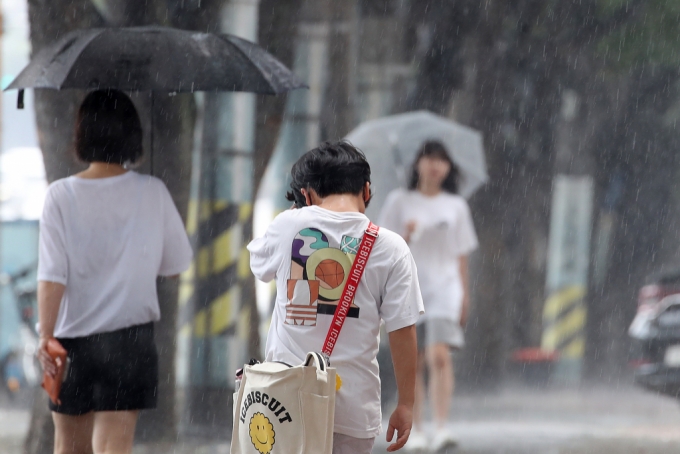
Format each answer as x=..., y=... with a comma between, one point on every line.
x=220, y=324
x=301, y=129
x=383, y=67
x=564, y=314
x=338, y=112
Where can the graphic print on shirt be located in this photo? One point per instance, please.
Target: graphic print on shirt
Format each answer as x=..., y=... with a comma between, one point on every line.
x=318, y=273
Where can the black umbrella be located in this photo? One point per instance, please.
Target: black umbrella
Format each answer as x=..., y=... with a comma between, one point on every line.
x=155, y=59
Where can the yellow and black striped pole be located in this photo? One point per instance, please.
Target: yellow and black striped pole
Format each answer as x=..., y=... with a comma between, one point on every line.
x=216, y=316
x=564, y=318
x=564, y=312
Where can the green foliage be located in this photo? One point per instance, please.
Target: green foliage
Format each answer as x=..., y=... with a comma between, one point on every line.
x=649, y=35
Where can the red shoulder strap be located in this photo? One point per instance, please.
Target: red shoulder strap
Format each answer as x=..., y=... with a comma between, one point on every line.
x=351, y=285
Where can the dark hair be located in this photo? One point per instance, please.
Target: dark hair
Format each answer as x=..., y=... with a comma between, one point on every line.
x=435, y=149
x=108, y=128
x=331, y=168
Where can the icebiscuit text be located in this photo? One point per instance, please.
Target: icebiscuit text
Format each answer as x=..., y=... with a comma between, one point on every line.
x=275, y=406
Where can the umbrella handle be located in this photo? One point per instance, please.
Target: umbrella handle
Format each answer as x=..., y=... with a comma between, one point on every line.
x=151, y=134
x=401, y=170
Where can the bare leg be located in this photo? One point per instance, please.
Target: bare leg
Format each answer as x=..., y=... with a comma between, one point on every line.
x=441, y=381
x=114, y=431
x=73, y=434
x=419, y=400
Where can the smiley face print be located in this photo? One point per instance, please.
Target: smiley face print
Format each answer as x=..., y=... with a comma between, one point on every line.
x=262, y=433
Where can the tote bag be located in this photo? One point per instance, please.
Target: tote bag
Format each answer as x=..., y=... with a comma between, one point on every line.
x=279, y=409
x=283, y=409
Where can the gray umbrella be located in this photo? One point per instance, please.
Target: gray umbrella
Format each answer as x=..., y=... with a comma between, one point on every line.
x=157, y=59
x=391, y=143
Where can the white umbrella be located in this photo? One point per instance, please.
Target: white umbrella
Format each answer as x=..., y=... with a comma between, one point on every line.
x=391, y=143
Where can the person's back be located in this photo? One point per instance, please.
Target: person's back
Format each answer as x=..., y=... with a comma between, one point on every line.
x=118, y=234
x=309, y=251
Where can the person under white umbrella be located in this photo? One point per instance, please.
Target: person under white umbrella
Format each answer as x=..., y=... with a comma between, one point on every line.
x=436, y=223
x=391, y=143
x=448, y=165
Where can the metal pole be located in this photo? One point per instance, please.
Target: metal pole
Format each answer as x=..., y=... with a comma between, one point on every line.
x=218, y=347
x=301, y=129
x=151, y=127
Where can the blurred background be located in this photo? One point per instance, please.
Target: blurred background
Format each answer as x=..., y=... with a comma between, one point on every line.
x=577, y=103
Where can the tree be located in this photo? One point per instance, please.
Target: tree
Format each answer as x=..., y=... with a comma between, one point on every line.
x=173, y=132
x=55, y=117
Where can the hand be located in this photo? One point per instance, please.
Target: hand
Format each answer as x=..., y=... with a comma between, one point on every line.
x=46, y=361
x=410, y=228
x=464, y=312
x=401, y=421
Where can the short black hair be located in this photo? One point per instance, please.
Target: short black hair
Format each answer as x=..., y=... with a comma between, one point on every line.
x=330, y=168
x=437, y=150
x=108, y=128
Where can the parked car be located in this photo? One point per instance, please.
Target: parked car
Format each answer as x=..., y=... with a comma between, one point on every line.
x=655, y=332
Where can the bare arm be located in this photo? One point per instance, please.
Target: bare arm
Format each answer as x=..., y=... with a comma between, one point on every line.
x=404, y=356
x=49, y=300
x=465, y=281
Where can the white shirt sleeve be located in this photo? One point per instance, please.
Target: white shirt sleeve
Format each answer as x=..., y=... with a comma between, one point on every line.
x=390, y=215
x=463, y=235
x=263, y=262
x=402, y=303
x=177, y=253
x=52, y=258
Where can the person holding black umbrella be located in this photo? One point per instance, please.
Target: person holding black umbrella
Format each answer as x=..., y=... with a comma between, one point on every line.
x=105, y=235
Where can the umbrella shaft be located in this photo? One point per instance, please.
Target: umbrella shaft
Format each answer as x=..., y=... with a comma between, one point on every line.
x=151, y=134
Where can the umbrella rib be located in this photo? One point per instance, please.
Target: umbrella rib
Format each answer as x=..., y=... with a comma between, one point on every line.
x=250, y=62
x=75, y=57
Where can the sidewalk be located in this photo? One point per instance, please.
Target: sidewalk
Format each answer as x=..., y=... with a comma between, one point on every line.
x=603, y=420
x=593, y=421
x=13, y=426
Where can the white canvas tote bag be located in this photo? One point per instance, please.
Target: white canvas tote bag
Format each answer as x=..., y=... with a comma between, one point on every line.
x=284, y=409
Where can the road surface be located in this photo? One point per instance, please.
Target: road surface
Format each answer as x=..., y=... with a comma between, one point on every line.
x=602, y=420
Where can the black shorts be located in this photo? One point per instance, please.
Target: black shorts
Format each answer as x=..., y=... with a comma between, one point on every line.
x=111, y=371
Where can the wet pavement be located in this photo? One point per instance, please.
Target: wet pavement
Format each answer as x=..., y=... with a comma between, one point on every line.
x=590, y=421
x=13, y=426
x=601, y=420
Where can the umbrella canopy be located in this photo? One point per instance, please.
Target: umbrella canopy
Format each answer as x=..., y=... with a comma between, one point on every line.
x=391, y=144
x=157, y=59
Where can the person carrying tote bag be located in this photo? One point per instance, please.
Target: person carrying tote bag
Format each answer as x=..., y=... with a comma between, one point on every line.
x=306, y=424
x=310, y=251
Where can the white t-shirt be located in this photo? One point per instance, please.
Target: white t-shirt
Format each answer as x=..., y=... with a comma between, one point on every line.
x=106, y=240
x=444, y=232
x=309, y=251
